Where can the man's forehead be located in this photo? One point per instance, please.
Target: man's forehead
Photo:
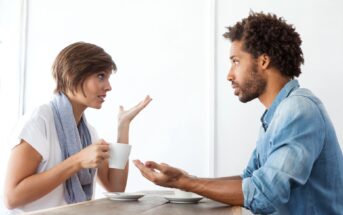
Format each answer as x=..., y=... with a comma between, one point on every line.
x=235, y=49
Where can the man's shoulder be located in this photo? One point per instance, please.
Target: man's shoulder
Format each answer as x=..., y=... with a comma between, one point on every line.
x=303, y=95
x=300, y=109
x=299, y=100
x=302, y=92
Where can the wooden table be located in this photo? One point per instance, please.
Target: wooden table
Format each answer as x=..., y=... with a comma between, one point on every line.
x=152, y=203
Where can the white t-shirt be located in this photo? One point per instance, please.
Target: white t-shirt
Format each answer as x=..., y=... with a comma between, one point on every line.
x=38, y=129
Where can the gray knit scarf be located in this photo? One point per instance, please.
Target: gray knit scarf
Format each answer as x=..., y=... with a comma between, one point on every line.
x=72, y=139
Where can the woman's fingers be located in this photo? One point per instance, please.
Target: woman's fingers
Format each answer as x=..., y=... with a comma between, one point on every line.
x=128, y=115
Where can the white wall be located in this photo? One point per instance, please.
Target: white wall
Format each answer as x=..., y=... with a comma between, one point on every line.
x=166, y=48
x=160, y=48
x=320, y=26
x=10, y=44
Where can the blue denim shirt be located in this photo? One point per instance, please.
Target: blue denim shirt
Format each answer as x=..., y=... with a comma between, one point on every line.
x=297, y=165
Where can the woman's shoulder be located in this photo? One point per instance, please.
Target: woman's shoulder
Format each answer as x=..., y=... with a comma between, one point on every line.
x=40, y=117
x=43, y=111
x=33, y=126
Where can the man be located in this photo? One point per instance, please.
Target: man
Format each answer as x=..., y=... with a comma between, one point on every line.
x=297, y=165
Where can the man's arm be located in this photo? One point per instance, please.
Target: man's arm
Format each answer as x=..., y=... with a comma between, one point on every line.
x=234, y=177
x=226, y=190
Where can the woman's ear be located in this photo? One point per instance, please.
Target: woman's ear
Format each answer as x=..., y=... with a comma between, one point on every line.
x=264, y=61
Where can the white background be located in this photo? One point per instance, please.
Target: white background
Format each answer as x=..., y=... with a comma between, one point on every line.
x=174, y=51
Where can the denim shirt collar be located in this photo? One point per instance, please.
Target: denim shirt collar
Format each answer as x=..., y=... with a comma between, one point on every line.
x=284, y=93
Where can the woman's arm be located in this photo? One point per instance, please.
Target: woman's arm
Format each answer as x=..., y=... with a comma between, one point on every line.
x=24, y=185
x=114, y=180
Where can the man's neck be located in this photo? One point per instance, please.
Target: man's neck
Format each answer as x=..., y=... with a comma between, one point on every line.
x=275, y=83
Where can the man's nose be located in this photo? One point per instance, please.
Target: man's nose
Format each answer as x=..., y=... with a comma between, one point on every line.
x=230, y=75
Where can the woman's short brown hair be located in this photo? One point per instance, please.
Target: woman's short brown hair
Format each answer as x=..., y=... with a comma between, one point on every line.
x=78, y=61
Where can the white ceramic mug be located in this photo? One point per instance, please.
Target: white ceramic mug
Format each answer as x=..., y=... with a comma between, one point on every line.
x=182, y=194
x=119, y=154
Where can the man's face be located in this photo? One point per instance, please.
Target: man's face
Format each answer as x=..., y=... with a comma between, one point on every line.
x=245, y=76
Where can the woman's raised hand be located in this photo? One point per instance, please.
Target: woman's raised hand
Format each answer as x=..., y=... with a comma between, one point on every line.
x=126, y=116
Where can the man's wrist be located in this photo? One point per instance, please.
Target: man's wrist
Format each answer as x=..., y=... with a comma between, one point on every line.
x=186, y=182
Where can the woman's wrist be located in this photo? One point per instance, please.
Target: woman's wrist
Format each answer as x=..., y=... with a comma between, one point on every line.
x=75, y=162
x=123, y=125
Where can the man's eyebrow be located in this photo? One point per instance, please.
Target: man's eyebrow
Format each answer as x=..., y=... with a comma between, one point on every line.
x=232, y=56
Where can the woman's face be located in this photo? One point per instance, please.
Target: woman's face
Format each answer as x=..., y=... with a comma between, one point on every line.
x=95, y=88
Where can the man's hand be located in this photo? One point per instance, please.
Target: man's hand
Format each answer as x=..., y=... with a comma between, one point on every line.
x=161, y=174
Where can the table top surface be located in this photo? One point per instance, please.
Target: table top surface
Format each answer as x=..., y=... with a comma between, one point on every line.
x=152, y=203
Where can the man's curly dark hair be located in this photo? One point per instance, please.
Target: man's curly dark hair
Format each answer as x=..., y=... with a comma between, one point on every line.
x=267, y=34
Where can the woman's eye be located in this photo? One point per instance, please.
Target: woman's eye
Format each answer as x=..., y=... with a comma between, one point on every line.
x=101, y=76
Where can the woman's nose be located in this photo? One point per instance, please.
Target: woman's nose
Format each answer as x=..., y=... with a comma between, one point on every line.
x=108, y=86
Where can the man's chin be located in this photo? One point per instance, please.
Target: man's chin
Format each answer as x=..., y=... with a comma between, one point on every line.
x=245, y=99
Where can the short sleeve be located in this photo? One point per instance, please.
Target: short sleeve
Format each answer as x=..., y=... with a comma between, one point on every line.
x=33, y=129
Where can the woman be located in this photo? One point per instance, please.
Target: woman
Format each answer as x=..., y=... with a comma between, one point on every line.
x=57, y=153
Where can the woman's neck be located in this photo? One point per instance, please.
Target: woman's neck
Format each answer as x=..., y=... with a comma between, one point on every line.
x=78, y=108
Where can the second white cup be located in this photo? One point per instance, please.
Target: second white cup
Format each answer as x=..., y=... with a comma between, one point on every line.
x=182, y=194
x=119, y=154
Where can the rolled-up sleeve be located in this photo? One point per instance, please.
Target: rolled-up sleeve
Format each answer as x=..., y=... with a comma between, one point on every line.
x=262, y=205
x=296, y=139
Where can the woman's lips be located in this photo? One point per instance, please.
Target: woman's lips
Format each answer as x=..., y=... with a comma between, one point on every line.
x=102, y=98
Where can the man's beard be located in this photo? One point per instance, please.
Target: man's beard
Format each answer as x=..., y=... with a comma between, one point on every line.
x=253, y=86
